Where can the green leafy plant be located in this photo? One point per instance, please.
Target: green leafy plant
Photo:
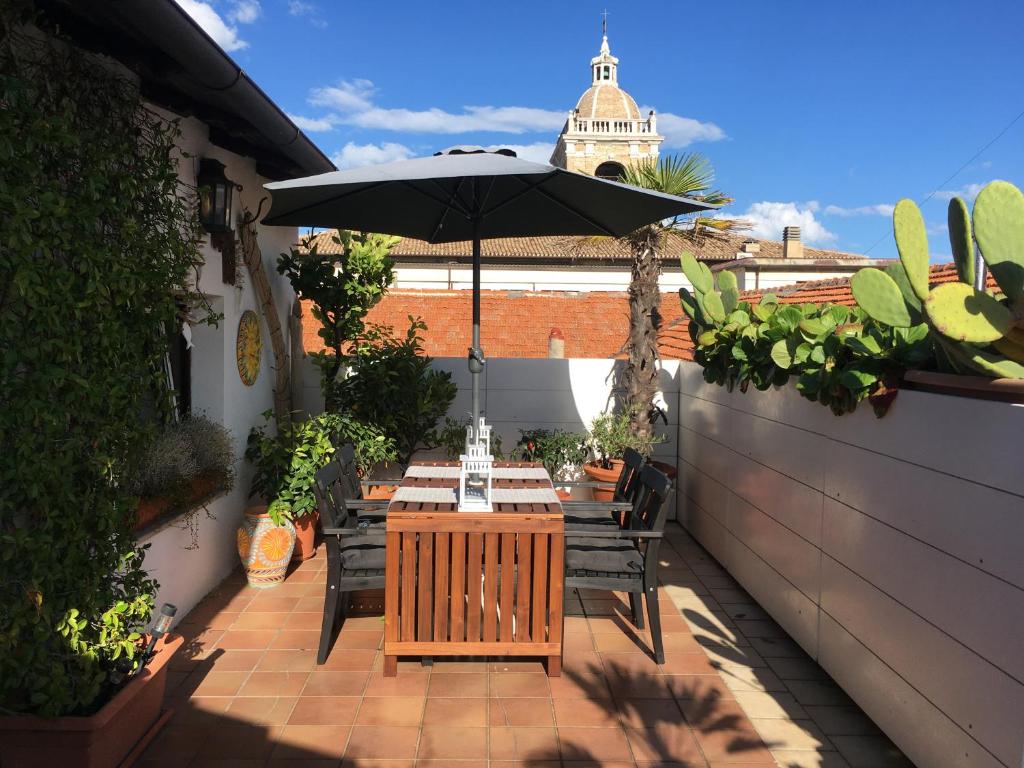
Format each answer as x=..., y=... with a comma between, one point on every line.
x=612, y=433
x=976, y=331
x=286, y=464
x=452, y=437
x=560, y=452
x=342, y=288
x=838, y=355
x=392, y=386
x=98, y=243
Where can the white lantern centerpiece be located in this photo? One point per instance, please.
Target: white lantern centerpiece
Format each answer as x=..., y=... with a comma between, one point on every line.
x=476, y=470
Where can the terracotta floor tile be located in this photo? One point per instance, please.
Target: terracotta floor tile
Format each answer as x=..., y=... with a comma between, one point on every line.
x=870, y=752
x=520, y=712
x=304, y=576
x=388, y=763
x=262, y=710
x=326, y=683
x=649, y=713
x=376, y=742
x=391, y=710
x=797, y=758
x=250, y=640
x=236, y=661
x=452, y=743
x=287, y=661
x=310, y=604
x=579, y=686
x=274, y=684
x=666, y=742
x=514, y=665
x=532, y=744
x=468, y=713
x=579, y=712
x=403, y=684
x=723, y=731
x=458, y=665
x=240, y=741
x=577, y=644
x=449, y=685
x=311, y=742
x=360, y=639
x=770, y=705
x=783, y=733
x=595, y=744
x=842, y=721
x=583, y=662
x=219, y=683
x=349, y=659
x=208, y=619
x=325, y=710
x=575, y=625
x=519, y=685
x=271, y=603
x=639, y=686
x=304, y=620
x=253, y=620
x=201, y=710
x=177, y=744
x=609, y=643
x=818, y=692
x=296, y=638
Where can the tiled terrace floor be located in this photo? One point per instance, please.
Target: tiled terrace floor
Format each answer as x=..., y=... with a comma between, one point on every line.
x=734, y=690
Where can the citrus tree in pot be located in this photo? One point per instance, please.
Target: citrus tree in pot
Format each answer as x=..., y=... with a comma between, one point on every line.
x=285, y=467
x=559, y=451
x=609, y=436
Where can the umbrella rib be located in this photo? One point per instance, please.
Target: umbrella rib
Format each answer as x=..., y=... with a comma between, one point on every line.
x=439, y=200
x=318, y=203
x=452, y=198
x=576, y=212
x=529, y=188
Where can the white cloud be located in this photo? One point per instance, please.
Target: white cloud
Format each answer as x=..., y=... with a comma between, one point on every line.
x=223, y=33
x=347, y=96
x=880, y=209
x=683, y=131
x=245, y=11
x=353, y=155
x=767, y=220
x=308, y=10
x=313, y=124
x=968, y=191
x=435, y=120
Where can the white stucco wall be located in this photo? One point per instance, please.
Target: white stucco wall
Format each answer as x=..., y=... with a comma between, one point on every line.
x=186, y=575
x=890, y=549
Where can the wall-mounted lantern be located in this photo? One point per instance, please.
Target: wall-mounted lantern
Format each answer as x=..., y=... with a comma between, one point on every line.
x=215, y=191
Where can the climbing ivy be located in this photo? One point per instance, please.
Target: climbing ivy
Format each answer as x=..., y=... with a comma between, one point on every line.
x=98, y=241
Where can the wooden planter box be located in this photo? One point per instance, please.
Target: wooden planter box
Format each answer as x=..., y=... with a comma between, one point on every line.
x=153, y=509
x=102, y=740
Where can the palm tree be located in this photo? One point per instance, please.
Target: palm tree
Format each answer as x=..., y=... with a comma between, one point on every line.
x=687, y=175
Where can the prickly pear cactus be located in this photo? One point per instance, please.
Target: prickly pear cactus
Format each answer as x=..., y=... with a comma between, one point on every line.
x=976, y=330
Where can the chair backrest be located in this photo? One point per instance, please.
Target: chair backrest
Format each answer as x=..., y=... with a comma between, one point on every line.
x=627, y=485
x=345, y=457
x=329, y=490
x=649, y=512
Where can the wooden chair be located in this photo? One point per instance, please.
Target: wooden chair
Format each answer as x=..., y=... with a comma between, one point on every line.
x=596, y=515
x=626, y=559
x=355, y=550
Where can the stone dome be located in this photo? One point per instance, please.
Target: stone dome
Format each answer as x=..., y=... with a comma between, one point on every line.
x=606, y=101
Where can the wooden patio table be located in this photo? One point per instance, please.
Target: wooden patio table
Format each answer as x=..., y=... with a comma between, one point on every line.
x=474, y=583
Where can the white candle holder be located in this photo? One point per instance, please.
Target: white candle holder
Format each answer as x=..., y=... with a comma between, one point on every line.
x=476, y=471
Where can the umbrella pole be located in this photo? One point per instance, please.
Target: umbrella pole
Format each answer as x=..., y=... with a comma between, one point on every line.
x=476, y=355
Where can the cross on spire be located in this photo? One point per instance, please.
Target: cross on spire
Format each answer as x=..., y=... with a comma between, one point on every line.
x=604, y=22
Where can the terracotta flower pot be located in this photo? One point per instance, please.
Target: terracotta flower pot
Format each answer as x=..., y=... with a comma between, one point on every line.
x=305, y=536
x=153, y=508
x=380, y=491
x=596, y=472
x=668, y=469
x=563, y=495
x=103, y=740
x=265, y=548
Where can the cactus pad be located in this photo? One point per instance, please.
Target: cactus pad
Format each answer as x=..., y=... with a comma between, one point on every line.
x=912, y=243
x=960, y=312
x=899, y=275
x=999, y=229
x=880, y=296
x=1009, y=349
x=700, y=280
x=984, y=362
x=713, y=307
x=689, y=303
x=960, y=239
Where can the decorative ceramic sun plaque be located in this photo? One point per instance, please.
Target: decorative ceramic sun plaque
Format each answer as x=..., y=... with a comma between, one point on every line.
x=248, y=348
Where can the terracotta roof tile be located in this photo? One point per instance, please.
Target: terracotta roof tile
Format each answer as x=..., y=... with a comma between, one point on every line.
x=717, y=247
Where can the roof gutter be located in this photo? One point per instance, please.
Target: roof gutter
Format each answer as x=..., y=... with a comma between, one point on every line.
x=165, y=25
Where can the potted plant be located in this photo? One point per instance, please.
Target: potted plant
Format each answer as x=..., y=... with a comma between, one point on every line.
x=286, y=465
x=452, y=437
x=187, y=463
x=609, y=436
x=560, y=452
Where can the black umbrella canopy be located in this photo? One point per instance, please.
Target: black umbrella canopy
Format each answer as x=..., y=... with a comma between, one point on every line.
x=439, y=198
x=468, y=193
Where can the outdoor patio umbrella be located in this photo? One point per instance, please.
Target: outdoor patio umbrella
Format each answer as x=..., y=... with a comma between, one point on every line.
x=467, y=193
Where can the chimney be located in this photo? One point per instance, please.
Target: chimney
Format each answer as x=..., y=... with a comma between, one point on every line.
x=556, y=344
x=792, y=248
x=749, y=249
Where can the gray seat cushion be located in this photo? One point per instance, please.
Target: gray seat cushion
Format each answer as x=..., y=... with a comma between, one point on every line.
x=362, y=553
x=609, y=555
x=589, y=521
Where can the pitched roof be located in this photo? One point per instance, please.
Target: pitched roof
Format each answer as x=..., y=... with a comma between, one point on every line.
x=578, y=250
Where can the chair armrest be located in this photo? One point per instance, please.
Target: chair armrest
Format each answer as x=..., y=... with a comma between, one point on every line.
x=579, y=484
x=342, y=532
x=378, y=483
x=366, y=504
x=619, y=534
x=589, y=506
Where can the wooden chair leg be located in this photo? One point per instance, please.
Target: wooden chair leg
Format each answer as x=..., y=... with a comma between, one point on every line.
x=390, y=666
x=554, y=666
x=331, y=602
x=636, y=605
x=655, y=618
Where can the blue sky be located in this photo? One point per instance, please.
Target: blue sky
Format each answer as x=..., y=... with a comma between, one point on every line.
x=817, y=114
